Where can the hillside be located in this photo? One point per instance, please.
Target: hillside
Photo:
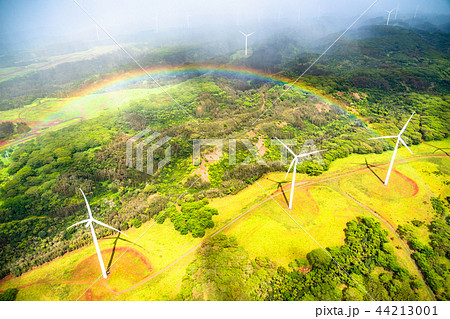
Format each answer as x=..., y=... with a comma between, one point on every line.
x=65, y=129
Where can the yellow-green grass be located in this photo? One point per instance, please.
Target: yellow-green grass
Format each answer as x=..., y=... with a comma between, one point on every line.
x=48, y=109
x=230, y=207
x=321, y=209
x=162, y=287
x=358, y=160
x=402, y=200
x=58, y=113
x=160, y=244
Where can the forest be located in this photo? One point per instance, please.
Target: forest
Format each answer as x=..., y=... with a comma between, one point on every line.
x=9, y=129
x=379, y=71
x=222, y=270
x=372, y=271
x=366, y=75
x=432, y=257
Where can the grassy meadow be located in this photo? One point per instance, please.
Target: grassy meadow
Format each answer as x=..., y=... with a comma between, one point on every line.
x=154, y=268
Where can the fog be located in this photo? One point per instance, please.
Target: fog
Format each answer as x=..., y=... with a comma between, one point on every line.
x=36, y=23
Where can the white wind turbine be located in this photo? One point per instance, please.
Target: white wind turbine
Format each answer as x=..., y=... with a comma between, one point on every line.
x=389, y=16
x=246, y=37
x=89, y=222
x=295, y=162
x=399, y=139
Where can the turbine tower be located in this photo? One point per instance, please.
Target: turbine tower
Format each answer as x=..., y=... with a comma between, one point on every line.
x=389, y=16
x=246, y=37
x=89, y=222
x=295, y=162
x=399, y=139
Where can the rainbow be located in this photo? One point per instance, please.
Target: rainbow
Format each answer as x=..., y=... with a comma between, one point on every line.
x=112, y=91
x=75, y=106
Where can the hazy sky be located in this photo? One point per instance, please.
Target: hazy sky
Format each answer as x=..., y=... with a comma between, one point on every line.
x=22, y=20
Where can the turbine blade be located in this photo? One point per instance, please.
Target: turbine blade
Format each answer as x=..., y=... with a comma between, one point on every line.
x=404, y=127
x=380, y=137
x=243, y=33
x=404, y=144
x=107, y=226
x=306, y=154
x=290, y=166
x=83, y=221
x=250, y=34
x=87, y=204
x=285, y=146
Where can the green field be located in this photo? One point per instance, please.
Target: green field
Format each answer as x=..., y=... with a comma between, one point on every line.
x=52, y=114
x=322, y=207
x=48, y=62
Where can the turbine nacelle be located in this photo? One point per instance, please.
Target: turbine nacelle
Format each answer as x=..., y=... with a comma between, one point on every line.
x=90, y=221
x=296, y=157
x=399, y=136
x=246, y=35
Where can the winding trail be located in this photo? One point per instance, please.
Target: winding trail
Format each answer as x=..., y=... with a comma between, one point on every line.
x=265, y=199
x=35, y=132
x=302, y=184
x=393, y=231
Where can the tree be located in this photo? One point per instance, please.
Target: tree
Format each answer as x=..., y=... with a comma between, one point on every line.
x=9, y=294
x=6, y=129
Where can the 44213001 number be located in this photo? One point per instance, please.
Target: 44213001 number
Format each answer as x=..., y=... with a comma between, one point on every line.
x=407, y=310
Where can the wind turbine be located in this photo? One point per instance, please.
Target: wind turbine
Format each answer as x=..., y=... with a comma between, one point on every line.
x=89, y=222
x=399, y=139
x=246, y=37
x=389, y=16
x=295, y=162
x=396, y=12
x=415, y=12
